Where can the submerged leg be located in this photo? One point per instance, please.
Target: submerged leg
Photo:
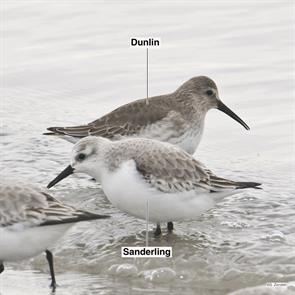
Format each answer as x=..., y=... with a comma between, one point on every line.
x=170, y=226
x=158, y=231
x=49, y=258
x=1, y=267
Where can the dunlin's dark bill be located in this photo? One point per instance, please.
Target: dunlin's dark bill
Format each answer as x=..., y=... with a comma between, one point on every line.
x=135, y=171
x=31, y=220
x=177, y=118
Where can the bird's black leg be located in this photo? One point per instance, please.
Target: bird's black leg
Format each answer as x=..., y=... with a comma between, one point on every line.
x=49, y=258
x=170, y=226
x=158, y=231
x=1, y=267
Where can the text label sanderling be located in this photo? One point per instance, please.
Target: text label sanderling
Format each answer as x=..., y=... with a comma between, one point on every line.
x=146, y=252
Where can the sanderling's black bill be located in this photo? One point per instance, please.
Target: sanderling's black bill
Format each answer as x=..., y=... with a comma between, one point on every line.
x=65, y=173
x=222, y=107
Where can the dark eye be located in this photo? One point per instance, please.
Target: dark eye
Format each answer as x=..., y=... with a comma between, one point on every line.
x=81, y=157
x=209, y=92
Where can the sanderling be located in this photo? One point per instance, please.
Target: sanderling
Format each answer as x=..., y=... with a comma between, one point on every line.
x=31, y=220
x=177, y=118
x=134, y=171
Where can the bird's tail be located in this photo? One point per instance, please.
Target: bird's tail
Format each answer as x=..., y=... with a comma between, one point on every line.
x=78, y=216
x=247, y=184
x=76, y=131
x=220, y=184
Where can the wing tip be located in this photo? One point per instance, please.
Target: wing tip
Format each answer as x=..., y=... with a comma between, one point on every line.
x=92, y=216
x=83, y=216
x=246, y=184
x=53, y=131
x=49, y=133
x=74, y=131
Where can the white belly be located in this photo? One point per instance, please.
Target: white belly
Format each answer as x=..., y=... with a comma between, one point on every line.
x=190, y=141
x=26, y=243
x=126, y=190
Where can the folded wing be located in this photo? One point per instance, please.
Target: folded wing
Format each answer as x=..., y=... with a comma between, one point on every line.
x=29, y=206
x=123, y=121
x=173, y=170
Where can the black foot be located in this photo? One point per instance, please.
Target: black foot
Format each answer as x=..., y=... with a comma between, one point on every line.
x=53, y=286
x=49, y=258
x=1, y=267
x=170, y=226
x=158, y=231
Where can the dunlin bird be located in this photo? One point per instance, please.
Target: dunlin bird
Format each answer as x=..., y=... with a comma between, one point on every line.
x=134, y=171
x=31, y=220
x=177, y=118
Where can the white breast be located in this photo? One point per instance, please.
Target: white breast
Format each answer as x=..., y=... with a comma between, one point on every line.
x=188, y=139
x=28, y=242
x=126, y=189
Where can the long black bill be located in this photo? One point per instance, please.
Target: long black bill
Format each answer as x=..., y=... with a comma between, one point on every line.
x=65, y=173
x=222, y=107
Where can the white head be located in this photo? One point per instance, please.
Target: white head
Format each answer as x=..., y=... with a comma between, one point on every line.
x=87, y=157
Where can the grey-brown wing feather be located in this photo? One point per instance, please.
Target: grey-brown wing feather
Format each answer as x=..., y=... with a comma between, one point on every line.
x=58, y=213
x=32, y=207
x=171, y=170
x=126, y=120
x=17, y=202
x=174, y=170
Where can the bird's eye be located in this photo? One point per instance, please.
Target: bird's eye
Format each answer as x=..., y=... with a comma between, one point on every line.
x=81, y=157
x=209, y=92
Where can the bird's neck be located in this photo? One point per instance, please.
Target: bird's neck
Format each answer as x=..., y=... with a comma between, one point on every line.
x=186, y=103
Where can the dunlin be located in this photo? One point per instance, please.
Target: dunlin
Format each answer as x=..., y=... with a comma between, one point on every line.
x=31, y=220
x=134, y=171
x=177, y=118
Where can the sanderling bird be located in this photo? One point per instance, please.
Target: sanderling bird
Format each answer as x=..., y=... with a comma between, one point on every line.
x=177, y=118
x=31, y=220
x=135, y=171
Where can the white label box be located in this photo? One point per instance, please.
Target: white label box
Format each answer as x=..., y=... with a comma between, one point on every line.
x=145, y=42
x=146, y=252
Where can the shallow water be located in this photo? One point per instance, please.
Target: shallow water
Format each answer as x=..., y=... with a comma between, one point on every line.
x=69, y=62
